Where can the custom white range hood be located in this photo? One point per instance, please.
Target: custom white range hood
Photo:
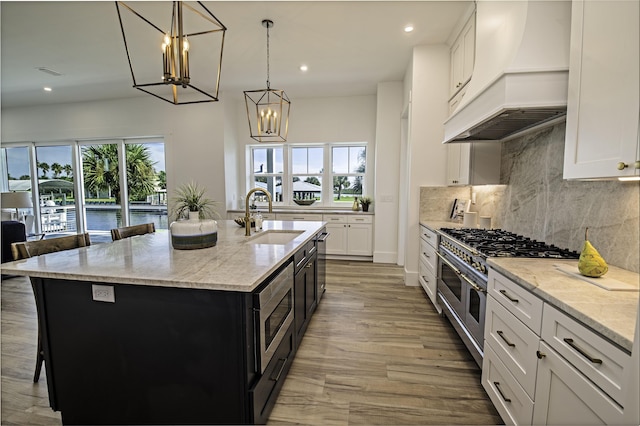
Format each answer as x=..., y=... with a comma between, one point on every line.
x=520, y=77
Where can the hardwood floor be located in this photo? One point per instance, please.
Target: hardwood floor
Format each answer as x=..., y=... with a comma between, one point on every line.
x=375, y=352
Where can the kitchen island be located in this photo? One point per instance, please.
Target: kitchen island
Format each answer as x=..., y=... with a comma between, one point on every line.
x=135, y=332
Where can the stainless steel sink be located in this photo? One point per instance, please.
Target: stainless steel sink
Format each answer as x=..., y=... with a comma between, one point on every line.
x=274, y=237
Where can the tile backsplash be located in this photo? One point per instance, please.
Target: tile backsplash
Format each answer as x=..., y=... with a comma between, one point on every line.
x=536, y=202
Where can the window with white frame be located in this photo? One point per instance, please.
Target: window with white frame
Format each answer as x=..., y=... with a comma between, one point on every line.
x=331, y=174
x=348, y=170
x=267, y=170
x=78, y=184
x=307, y=167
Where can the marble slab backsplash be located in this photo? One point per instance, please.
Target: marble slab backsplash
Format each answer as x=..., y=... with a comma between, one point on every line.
x=536, y=202
x=539, y=204
x=436, y=202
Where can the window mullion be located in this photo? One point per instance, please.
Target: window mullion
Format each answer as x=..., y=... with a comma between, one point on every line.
x=124, y=188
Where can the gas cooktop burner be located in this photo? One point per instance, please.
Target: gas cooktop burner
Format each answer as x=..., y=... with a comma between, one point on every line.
x=499, y=243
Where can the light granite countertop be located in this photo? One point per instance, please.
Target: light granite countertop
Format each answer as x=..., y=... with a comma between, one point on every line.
x=437, y=224
x=611, y=313
x=234, y=264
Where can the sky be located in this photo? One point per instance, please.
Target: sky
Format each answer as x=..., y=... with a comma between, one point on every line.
x=18, y=158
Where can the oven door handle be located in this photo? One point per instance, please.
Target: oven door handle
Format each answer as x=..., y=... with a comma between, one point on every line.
x=451, y=265
x=475, y=286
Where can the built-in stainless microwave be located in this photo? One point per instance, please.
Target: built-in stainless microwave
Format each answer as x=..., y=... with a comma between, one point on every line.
x=273, y=315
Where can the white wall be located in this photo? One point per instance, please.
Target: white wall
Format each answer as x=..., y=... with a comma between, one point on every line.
x=387, y=166
x=427, y=156
x=193, y=134
x=201, y=140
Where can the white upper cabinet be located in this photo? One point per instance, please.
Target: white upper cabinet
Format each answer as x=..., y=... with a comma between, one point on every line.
x=602, y=111
x=476, y=163
x=463, y=55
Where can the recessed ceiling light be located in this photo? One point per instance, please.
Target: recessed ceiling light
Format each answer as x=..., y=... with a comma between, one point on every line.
x=48, y=89
x=303, y=68
x=408, y=28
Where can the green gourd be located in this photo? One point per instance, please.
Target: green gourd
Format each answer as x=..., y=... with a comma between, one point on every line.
x=591, y=264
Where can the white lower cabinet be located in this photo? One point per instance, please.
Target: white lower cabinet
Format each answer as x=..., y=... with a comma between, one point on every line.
x=350, y=235
x=566, y=397
x=542, y=367
x=428, y=264
x=337, y=239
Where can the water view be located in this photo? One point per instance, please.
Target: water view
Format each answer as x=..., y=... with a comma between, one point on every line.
x=101, y=220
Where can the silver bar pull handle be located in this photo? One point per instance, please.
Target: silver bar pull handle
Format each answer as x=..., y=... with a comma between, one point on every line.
x=510, y=344
x=582, y=351
x=277, y=377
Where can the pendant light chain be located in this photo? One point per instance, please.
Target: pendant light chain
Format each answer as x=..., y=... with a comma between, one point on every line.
x=268, y=82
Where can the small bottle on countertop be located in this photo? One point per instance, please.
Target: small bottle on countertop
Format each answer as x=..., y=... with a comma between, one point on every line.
x=355, y=206
x=258, y=222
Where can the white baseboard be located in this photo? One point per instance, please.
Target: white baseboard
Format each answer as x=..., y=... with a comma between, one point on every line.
x=385, y=257
x=346, y=257
x=411, y=278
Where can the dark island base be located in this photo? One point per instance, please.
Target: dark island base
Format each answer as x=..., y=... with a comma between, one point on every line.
x=156, y=356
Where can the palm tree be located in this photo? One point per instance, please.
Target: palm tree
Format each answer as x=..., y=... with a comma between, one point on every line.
x=162, y=179
x=357, y=183
x=44, y=167
x=56, y=168
x=100, y=168
x=67, y=170
x=340, y=182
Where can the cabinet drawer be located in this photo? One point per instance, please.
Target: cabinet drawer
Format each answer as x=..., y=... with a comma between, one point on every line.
x=428, y=282
x=428, y=256
x=300, y=216
x=429, y=278
x=334, y=218
x=519, y=301
x=429, y=236
x=303, y=254
x=603, y=363
x=511, y=401
x=360, y=219
x=514, y=344
x=264, y=393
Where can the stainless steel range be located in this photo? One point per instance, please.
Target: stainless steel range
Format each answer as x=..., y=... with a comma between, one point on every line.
x=463, y=275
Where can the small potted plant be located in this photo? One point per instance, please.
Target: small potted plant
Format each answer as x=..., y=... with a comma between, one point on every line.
x=199, y=231
x=190, y=199
x=364, y=202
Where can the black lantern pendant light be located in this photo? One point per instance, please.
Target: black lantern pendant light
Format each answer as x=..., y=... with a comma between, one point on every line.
x=268, y=109
x=174, y=52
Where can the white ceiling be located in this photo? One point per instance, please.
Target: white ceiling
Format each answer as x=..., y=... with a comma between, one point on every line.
x=349, y=46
